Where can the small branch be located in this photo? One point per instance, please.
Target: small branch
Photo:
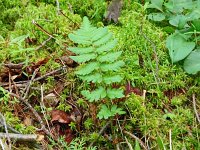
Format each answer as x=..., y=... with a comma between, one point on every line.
x=101, y=131
x=170, y=139
x=43, y=43
x=129, y=144
x=194, y=107
x=33, y=111
x=42, y=29
x=20, y=137
x=135, y=137
x=58, y=7
x=1, y=143
x=3, y=121
x=39, y=78
x=29, y=84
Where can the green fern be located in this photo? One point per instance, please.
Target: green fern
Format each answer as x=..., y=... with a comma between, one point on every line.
x=98, y=64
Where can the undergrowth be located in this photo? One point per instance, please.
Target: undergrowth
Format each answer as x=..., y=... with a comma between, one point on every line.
x=158, y=101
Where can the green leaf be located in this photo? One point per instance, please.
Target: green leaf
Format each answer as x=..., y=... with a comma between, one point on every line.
x=95, y=95
x=109, y=57
x=94, y=78
x=87, y=68
x=106, y=47
x=115, y=93
x=112, y=79
x=160, y=143
x=80, y=39
x=178, y=47
x=179, y=21
x=115, y=110
x=194, y=15
x=157, y=4
x=177, y=6
x=137, y=145
x=156, y=16
x=112, y=66
x=104, y=112
x=84, y=57
x=100, y=32
x=81, y=50
x=103, y=40
x=192, y=62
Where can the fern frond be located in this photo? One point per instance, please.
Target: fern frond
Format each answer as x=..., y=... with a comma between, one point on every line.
x=114, y=93
x=81, y=50
x=103, y=40
x=99, y=33
x=109, y=57
x=95, y=95
x=86, y=25
x=80, y=39
x=87, y=68
x=112, y=66
x=84, y=57
x=94, y=78
x=106, y=47
x=112, y=79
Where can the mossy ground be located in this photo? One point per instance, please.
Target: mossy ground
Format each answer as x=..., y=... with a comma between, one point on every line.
x=165, y=109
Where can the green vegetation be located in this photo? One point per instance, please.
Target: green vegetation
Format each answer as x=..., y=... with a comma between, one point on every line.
x=99, y=66
x=84, y=83
x=184, y=16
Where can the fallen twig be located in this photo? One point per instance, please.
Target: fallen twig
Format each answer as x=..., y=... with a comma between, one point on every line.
x=21, y=137
x=29, y=84
x=33, y=111
x=135, y=137
x=43, y=43
x=3, y=121
x=101, y=131
x=39, y=78
x=194, y=106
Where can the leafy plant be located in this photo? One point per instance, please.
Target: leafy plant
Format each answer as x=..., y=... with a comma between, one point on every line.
x=184, y=17
x=99, y=66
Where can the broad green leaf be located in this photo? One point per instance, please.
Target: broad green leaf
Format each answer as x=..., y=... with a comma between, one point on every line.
x=160, y=144
x=100, y=32
x=137, y=145
x=192, y=62
x=103, y=40
x=157, y=4
x=95, y=95
x=177, y=6
x=178, y=21
x=115, y=93
x=194, y=15
x=87, y=68
x=84, y=57
x=156, y=16
x=81, y=50
x=178, y=47
x=94, y=78
x=112, y=66
x=109, y=57
x=112, y=79
x=106, y=47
